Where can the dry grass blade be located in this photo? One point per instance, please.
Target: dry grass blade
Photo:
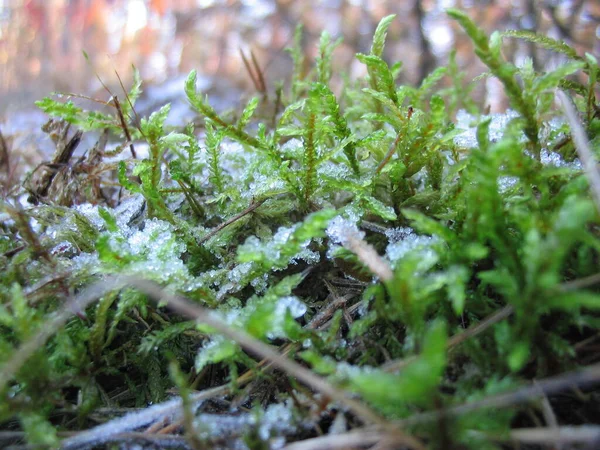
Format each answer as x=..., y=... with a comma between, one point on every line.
x=582, y=146
x=459, y=338
x=369, y=256
x=115, y=428
x=585, y=434
x=124, y=126
x=353, y=439
x=228, y=222
x=4, y=155
x=548, y=386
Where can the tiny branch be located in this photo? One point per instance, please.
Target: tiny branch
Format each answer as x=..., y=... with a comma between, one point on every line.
x=235, y=218
x=582, y=146
x=369, y=256
x=548, y=386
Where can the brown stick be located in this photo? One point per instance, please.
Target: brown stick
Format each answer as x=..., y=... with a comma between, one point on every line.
x=235, y=218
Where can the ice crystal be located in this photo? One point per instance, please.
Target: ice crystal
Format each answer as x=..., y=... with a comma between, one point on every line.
x=132, y=421
x=276, y=420
x=505, y=183
x=403, y=240
x=291, y=304
x=468, y=123
x=90, y=212
x=549, y=158
x=340, y=230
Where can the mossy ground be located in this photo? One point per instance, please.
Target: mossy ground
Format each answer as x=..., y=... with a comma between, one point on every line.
x=374, y=266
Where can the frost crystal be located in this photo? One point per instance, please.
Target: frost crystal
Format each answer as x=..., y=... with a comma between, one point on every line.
x=103, y=433
x=554, y=159
x=131, y=211
x=340, y=230
x=290, y=303
x=506, y=183
x=276, y=420
x=90, y=212
x=403, y=240
x=468, y=123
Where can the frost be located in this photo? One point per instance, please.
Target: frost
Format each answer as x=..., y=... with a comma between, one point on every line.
x=263, y=185
x=102, y=433
x=211, y=426
x=340, y=230
x=276, y=420
x=260, y=284
x=554, y=159
x=64, y=249
x=307, y=255
x=90, y=212
x=404, y=240
x=329, y=170
x=289, y=303
x=292, y=148
x=236, y=276
x=131, y=211
x=505, y=183
x=468, y=123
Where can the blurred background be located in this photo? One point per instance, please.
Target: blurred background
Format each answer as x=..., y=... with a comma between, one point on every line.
x=42, y=43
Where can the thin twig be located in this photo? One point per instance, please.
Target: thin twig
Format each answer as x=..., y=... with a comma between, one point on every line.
x=580, y=283
x=481, y=326
x=353, y=439
x=245, y=212
x=582, y=146
x=369, y=256
x=457, y=339
x=259, y=74
x=124, y=126
x=548, y=386
x=253, y=77
x=107, y=431
x=589, y=434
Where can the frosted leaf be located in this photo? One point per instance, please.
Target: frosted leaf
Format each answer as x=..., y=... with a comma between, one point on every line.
x=130, y=212
x=468, y=123
x=340, y=230
x=90, y=212
x=403, y=240
x=505, y=183
x=239, y=272
x=307, y=255
x=333, y=171
x=293, y=148
x=289, y=303
x=260, y=284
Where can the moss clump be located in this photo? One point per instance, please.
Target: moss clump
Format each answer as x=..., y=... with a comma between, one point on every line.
x=415, y=256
